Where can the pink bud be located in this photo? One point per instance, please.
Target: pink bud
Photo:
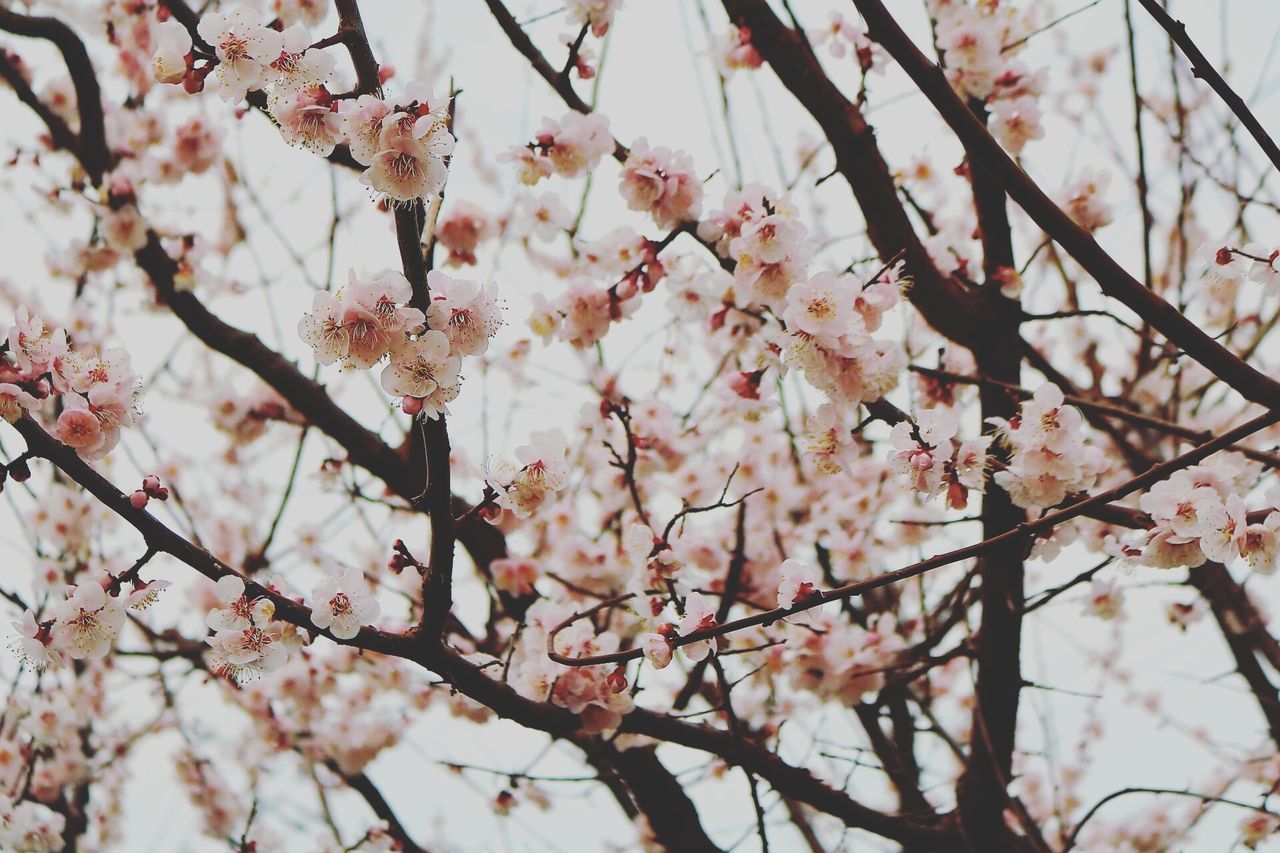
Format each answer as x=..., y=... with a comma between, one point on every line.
x=150, y=483
x=138, y=500
x=411, y=405
x=193, y=81
x=626, y=288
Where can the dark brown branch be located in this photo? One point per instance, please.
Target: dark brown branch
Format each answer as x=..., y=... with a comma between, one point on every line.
x=363, y=785
x=92, y=137
x=351, y=27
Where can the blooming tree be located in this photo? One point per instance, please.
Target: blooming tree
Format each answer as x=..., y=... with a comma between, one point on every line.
x=814, y=496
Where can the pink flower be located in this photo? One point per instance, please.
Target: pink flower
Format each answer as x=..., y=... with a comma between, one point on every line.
x=514, y=576
x=543, y=468
x=307, y=119
x=78, y=427
x=598, y=14
x=657, y=649
x=362, y=126
x=462, y=230
x=468, y=313
x=734, y=51
x=297, y=67
x=36, y=642
x=661, y=182
x=196, y=144
x=822, y=306
x=406, y=169
x=33, y=345
x=88, y=621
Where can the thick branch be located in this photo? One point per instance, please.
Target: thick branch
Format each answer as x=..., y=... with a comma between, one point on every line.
x=92, y=138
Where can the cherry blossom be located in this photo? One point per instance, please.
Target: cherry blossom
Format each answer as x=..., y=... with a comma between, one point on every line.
x=468, y=313
x=342, y=605
x=173, y=43
x=799, y=582
x=424, y=369
x=661, y=182
x=542, y=469
x=598, y=14
x=87, y=622
x=245, y=50
x=307, y=119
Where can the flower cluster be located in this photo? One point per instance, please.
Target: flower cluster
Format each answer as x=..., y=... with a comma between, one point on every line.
x=583, y=314
x=370, y=320
x=1198, y=515
x=844, y=662
x=1048, y=456
x=829, y=321
x=978, y=44
x=570, y=147
x=661, y=182
x=84, y=625
x=927, y=459
x=246, y=639
x=99, y=392
x=363, y=322
x=27, y=825
x=592, y=692
x=405, y=142
x=542, y=470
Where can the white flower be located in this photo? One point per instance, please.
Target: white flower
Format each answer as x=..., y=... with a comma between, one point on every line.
x=425, y=370
x=234, y=613
x=173, y=43
x=88, y=621
x=245, y=50
x=243, y=654
x=799, y=582
x=343, y=606
x=35, y=643
x=698, y=615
